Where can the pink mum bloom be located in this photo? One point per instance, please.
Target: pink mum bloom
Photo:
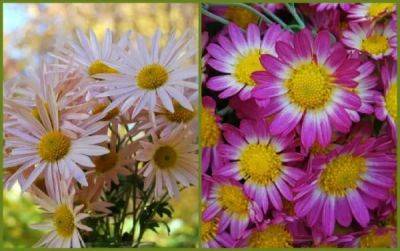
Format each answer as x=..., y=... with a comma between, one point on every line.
x=237, y=57
x=366, y=90
x=308, y=83
x=374, y=40
x=378, y=237
x=212, y=236
x=263, y=161
x=386, y=108
x=229, y=202
x=210, y=134
x=370, y=11
x=345, y=185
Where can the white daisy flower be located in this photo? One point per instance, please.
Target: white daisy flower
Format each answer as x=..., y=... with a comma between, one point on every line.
x=169, y=160
x=88, y=55
x=63, y=219
x=167, y=121
x=42, y=143
x=148, y=78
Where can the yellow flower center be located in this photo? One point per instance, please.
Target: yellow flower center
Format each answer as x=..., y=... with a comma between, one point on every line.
x=260, y=164
x=152, y=76
x=63, y=220
x=309, y=86
x=180, y=114
x=233, y=200
x=246, y=65
x=378, y=9
x=318, y=149
x=375, y=240
x=240, y=16
x=342, y=174
x=210, y=132
x=208, y=230
x=274, y=236
x=105, y=163
x=165, y=157
x=110, y=115
x=53, y=146
x=391, y=101
x=375, y=44
x=98, y=67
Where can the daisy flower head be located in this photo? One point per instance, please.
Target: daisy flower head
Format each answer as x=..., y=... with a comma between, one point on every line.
x=308, y=83
x=64, y=220
x=45, y=145
x=370, y=11
x=88, y=55
x=274, y=233
x=229, y=202
x=346, y=185
x=210, y=134
x=378, y=237
x=238, y=56
x=108, y=167
x=386, y=108
x=262, y=161
x=374, y=40
x=212, y=236
x=167, y=121
x=366, y=90
x=169, y=161
x=152, y=76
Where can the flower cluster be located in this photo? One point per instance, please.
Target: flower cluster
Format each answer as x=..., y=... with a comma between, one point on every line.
x=298, y=125
x=96, y=114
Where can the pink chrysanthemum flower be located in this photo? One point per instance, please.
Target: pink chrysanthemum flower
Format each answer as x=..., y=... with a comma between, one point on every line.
x=370, y=11
x=374, y=40
x=308, y=83
x=273, y=233
x=345, y=185
x=386, y=108
x=90, y=56
x=151, y=74
x=210, y=134
x=43, y=143
x=212, y=236
x=64, y=220
x=378, y=237
x=237, y=57
x=263, y=161
x=228, y=201
x=366, y=90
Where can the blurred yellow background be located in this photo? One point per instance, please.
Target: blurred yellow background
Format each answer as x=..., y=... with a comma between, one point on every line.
x=30, y=31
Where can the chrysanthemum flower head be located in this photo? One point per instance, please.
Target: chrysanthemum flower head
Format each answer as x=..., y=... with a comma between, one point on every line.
x=262, y=161
x=151, y=76
x=46, y=145
x=88, y=55
x=237, y=57
x=210, y=134
x=374, y=40
x=307, y=83
x=345, y=185
x=229, y=202
x=63, y=218
x=387, y=106
x=170, y=160
x=378, y=237
x=370, y=11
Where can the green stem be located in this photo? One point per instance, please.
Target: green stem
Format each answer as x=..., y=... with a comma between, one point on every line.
x=275, y=17
x=296, y=16
x=134, y=204
x=254, y=11
x=215, y=17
